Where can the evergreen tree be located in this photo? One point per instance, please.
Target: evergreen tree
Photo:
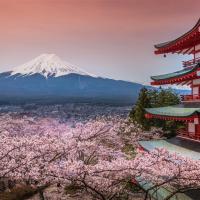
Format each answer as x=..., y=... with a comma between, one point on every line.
x=138, y=112
x=167, y=97
x=155, y=98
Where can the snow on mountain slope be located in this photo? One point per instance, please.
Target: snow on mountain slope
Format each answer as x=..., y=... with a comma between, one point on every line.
x=48, y=65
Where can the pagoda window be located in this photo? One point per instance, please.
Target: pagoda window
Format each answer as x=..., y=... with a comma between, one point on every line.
x=196, y=81
x=195, y=91
x=191, y=127
x=196, y=120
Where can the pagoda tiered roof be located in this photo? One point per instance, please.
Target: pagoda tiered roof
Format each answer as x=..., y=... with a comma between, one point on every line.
x=183, y=44
x=184, y=75
x=177, y=112
x=188, y=111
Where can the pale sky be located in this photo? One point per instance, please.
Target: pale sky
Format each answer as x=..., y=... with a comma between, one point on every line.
x=109, y=38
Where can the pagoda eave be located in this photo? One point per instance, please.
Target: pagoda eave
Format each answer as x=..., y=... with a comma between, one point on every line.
x=178, y=113
x=182, y=81
x=163, y=117
x=182, y=48
x=184, y=44
x=183, y=77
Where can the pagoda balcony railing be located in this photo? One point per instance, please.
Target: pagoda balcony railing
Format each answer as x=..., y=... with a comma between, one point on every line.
x=184, y=133
x=190, y=63
x=190, y=97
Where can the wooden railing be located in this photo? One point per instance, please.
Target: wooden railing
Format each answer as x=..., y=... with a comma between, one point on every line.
x=183, y=132
x=186, y=134
x=191, y=63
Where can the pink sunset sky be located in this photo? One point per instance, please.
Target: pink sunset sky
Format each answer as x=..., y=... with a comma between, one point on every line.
x=109, y=38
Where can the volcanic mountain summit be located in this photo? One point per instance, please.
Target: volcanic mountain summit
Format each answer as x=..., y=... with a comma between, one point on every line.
x=48, y=65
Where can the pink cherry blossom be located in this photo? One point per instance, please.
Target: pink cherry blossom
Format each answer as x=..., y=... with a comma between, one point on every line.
x=90, y=155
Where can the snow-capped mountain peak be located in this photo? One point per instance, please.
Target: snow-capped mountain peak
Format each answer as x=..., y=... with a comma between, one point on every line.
x=47, y=65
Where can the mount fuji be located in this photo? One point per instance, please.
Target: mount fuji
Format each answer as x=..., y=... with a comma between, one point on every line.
x=48, y=79
x=48, y=65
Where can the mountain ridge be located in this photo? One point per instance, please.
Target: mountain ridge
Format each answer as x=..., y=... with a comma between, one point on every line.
x=61, y=83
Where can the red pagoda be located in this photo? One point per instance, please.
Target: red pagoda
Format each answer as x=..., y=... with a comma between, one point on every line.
x=189, y=110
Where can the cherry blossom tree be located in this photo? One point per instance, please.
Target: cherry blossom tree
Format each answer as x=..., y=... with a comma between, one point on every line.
x=48, y=152
x=169, y=170
x=89, y=157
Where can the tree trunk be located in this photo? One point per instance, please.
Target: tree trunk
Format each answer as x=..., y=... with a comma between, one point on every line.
x=41, y=195
x=146, y=195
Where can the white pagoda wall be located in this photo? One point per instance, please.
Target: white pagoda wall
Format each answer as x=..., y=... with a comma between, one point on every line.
x=196, y=81
x=196, y=87
x=193, y=127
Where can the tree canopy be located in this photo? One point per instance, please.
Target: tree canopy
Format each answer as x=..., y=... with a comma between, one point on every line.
x=155, y=98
